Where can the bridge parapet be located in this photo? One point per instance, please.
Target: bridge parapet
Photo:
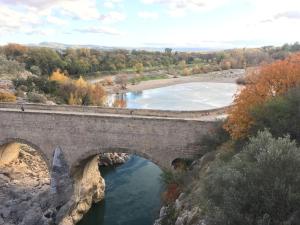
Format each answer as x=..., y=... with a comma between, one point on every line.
x=120, y=111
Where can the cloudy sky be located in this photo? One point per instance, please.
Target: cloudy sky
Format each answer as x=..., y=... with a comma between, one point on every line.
x=151, y=23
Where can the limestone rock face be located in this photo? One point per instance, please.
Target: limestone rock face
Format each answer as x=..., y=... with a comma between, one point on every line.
x=185, y=210
x=27, y=198
x=9, y=153
x=24, y=188
x=89, y=187
x=110, y=159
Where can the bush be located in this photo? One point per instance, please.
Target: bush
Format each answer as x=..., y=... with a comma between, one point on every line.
x=241, y=81
x=36, y=98
x=211, y=141
x=37, y=84
x=7, y=97
x=260, y=185
x=281, y=115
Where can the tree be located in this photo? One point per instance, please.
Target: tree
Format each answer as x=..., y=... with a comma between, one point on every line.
x=81, y=83
x=13, y=51
x=122, y=80
x=58, y=76
x=139, y=68
x=168, y=51
x=267, y=82
x=48, y=60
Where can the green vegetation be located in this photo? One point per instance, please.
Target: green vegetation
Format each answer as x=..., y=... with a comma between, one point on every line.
x=10, y=69
x=83, y=61
x=138, y=79
x=260, y=185
x=61, y=89
x=253, y=180
x=280, y=115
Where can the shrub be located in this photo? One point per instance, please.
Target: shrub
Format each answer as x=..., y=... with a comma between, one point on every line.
x=37, y=84
x=108, y=81
x=260, y=185
x=241, y=81
x=281, y=115
x=36, y=98
x=7, y=97
x=20, y=93
x=211, y=141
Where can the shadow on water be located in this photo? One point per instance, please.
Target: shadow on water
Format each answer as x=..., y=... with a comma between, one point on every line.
x=132, y=195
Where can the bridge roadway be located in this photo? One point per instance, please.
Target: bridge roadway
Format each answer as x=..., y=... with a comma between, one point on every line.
x=82, y=132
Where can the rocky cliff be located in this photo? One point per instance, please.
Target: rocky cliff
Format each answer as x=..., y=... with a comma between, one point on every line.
x=89, y=187
x=27, y=198
x=24, y=185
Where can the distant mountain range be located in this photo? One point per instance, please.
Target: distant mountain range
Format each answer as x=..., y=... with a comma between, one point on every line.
x=61, y=46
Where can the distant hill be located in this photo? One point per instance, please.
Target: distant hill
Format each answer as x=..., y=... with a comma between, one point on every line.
x=62, y=46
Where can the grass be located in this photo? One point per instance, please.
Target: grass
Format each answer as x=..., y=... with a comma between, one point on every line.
x=146, y=78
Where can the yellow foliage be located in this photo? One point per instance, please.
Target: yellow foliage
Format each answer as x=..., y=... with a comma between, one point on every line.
x=186, y=72
x=7, y=97
x=81, y=83
x=72, y=100
x=59, y=77
x=269, y=81
x=96, y=94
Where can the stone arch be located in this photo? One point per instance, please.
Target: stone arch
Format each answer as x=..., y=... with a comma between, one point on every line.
x=81, y=160
x=8, y=141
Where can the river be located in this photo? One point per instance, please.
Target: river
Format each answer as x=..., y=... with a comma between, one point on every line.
x=187, y=96
x=133, y=190
x=132, y=195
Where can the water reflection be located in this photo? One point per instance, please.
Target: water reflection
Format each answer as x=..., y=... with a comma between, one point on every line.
x=132, y=195
x=188, y=96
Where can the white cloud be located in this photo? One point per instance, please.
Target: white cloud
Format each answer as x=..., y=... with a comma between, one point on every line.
x=111, y=4
x=148, y=15
x=181, y=7
x=56, y=21
x=40, y=16
x=112, y=17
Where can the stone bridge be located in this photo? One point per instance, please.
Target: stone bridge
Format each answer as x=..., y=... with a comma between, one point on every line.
x=82, y=132
x=70, y=137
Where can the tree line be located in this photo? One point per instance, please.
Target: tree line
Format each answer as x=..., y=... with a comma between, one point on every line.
x=85, y=61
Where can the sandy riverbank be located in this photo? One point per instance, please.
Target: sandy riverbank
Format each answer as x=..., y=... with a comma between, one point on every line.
x=226, y=76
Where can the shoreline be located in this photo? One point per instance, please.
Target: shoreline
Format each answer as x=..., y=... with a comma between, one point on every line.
x=225, y=76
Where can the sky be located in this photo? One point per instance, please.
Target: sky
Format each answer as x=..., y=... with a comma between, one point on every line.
x=151, y=23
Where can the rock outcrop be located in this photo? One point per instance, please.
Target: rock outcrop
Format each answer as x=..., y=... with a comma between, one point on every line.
x=27, y=198
x=24, y=185
x=110, y=159
x=185, y=210
x=9, y=153
x=89, y=187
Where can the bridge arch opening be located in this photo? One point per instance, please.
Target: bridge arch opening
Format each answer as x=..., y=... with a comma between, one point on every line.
x=133, y=188
x=83, y=159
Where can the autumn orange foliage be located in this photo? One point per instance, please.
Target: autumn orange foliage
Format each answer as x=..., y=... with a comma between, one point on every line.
x=266, y=82
x=7, y=97
x=172, y=193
